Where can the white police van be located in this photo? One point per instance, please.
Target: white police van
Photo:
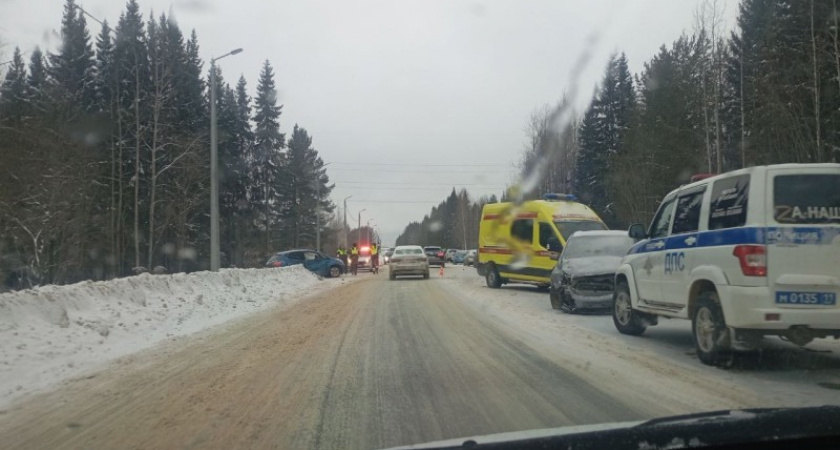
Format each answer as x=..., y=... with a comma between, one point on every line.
x=744, y=254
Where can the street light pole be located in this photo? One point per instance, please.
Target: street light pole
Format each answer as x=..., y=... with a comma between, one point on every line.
x=359, y=230
x=345, y=230
x=214, y=168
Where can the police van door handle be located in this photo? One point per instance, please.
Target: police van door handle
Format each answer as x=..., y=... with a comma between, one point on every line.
x=690, y=240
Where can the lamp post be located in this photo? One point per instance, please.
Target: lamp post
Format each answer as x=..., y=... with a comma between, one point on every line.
x=318, y=208
x=359, y=230
x=346, y=232
x=214, y=167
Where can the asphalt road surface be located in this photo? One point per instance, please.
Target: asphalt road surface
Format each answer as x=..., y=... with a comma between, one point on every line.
x=372, y=364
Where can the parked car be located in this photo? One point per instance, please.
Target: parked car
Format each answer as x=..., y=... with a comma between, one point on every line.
x=470, y=258
x=450, y=254
x=436, y=256
x=744, y=254
x=315, y=261
x=583, y=276
x=408, y=260
x=459, y=257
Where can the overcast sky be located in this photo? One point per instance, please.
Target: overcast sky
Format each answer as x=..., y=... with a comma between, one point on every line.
x=404, y=98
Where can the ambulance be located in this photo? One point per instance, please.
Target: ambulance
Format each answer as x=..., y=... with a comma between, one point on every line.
x=520, y=243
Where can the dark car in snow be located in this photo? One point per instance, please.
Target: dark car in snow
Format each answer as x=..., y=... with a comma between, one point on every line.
x=436, y=255
x=583, y=278
x=315, y=261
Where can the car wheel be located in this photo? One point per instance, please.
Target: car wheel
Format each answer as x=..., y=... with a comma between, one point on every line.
x=335, y=271
x=626, y=320
x=492, y=278
x=553, y=298
x=711, y=336
x=567, y=303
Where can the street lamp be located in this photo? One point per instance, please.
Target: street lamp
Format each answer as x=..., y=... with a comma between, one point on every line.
x=345, y=220
x=214, y=167
x=318, y=208
x=359, y=230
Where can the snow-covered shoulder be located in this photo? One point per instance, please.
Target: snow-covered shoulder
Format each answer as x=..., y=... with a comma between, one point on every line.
x=51, y=333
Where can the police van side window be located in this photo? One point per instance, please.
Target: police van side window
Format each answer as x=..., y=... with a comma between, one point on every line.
x=523, y=229
x=728, y=202
x=687, y=214
x=659, y=226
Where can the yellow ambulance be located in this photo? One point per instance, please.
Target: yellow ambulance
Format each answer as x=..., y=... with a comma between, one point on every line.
x=520, y=243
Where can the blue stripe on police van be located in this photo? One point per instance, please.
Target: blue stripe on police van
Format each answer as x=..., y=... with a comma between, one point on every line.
x=741, y=236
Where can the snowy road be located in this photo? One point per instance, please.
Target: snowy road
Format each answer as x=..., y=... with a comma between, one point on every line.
x=379, y=363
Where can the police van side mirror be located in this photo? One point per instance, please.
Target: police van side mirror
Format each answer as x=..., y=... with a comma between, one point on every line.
x=637, y=231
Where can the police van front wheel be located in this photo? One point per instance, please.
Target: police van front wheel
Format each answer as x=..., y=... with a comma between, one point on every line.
x=626, y=320
x=491, y=276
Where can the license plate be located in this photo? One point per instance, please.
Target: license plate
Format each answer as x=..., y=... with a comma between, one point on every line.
x=806, y=298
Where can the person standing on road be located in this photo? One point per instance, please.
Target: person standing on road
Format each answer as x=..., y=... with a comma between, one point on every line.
x=374, y=257
x=354, y=259
x=342, y=255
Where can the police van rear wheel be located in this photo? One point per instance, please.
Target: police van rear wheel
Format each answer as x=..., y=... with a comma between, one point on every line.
x=492, y=277
x=626, y=320
x=711, y=337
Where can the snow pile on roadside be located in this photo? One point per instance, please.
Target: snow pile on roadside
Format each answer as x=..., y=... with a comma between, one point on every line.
x=51, y=333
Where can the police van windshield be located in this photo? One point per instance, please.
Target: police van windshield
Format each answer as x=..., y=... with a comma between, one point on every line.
x=807, y=199
x=568, y=228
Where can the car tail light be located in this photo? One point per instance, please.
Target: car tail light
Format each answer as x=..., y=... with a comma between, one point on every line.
x=277, y=264
x=753, y=259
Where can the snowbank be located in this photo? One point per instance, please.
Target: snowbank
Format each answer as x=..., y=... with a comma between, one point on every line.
x=51, y=333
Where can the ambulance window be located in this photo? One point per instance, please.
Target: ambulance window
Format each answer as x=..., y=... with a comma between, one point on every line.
x=687, y=215
x=659, y=226
x=546, y=233
x=523, y=229
x=728, y=204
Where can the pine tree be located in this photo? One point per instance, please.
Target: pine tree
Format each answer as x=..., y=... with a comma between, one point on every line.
x=72, y=68
x=264, y=170
x=36, y=81
x=13, y=90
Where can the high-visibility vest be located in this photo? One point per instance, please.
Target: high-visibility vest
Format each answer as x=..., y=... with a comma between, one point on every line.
x=374, y=250
x=341, y=252
x=354, y=251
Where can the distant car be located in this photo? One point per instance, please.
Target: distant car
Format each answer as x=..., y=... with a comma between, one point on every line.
x=436, y=256
x=364, y=258
x=386, y=254
x=408, y=260
x=469, y=259
x=459, y=257
x=315, y=261
x=450, y=254
x=584, y=274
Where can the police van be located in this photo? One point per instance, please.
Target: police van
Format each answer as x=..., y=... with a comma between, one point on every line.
x=520, y=243
x=745, y=254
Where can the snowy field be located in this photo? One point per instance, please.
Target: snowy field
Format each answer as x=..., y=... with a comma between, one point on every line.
x=52, y=333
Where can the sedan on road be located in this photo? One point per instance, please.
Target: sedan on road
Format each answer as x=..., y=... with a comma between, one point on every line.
x=436, y=255
x=584, y=274
x=459, y=257
x=469, y=259
x=315, y=261
x=408, y=260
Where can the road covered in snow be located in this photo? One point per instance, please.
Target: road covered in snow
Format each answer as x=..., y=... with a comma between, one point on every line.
x=358, y=362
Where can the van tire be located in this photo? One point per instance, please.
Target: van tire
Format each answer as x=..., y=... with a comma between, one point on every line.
x=711, y=336
x=491, y=277
x=626, y=319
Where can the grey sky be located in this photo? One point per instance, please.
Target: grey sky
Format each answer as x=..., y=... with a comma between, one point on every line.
x=446, y=84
